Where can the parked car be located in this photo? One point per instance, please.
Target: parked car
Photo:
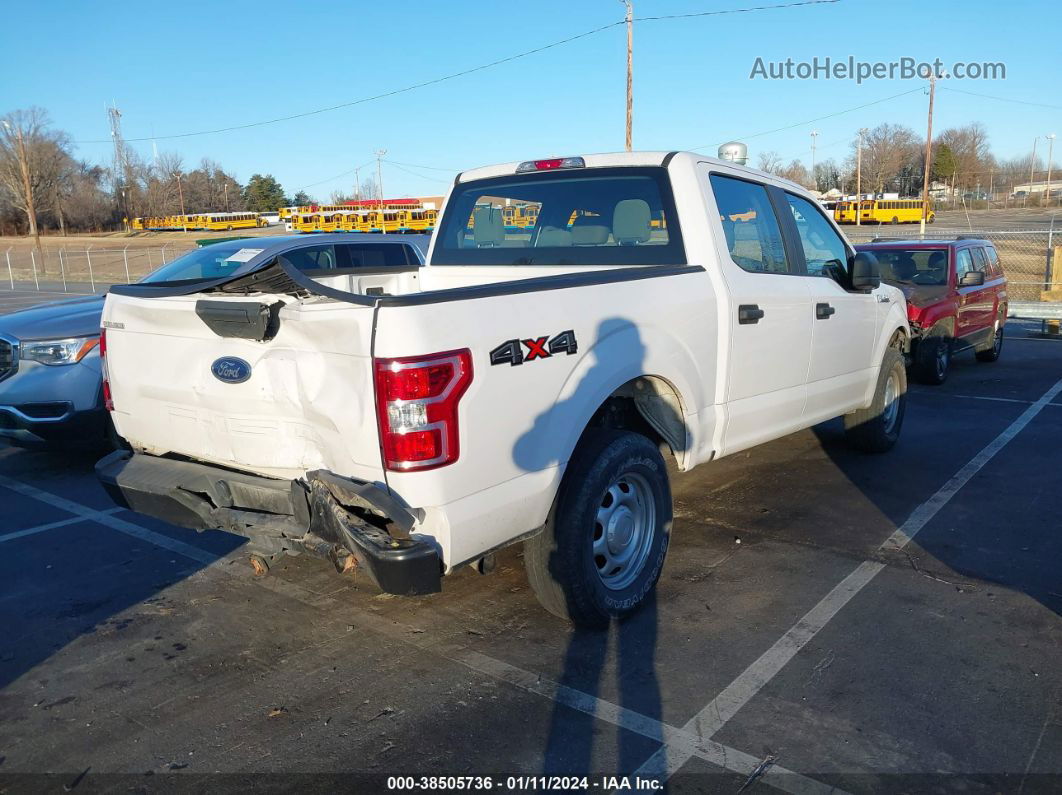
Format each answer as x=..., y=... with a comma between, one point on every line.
x=50, y=387
x=518, y=388
x=956, y=298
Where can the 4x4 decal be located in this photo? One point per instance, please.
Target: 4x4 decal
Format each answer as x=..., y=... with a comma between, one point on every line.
x=511, y=352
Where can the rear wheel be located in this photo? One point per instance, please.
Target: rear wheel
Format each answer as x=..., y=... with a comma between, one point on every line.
x=895, y=220
x=933, y=358
x=992, y=351
x=876, y=428
x=603, y=547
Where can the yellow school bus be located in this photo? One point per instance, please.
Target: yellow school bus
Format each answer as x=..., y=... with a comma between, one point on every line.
x=882, y=211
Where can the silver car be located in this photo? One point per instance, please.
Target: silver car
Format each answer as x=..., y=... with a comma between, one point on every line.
x=50, y=384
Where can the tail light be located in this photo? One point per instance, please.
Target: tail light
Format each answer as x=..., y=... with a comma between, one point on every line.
x=108, y=401
x=416, y=405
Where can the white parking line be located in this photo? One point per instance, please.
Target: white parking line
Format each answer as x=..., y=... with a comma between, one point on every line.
x=681, y=741
x=29, y=531
x=708, y=721
x=105, y=518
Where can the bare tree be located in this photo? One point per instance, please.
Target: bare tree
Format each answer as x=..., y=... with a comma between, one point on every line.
x=889, y=151
x=769, y=162
x=969, y=146
x=31, y=159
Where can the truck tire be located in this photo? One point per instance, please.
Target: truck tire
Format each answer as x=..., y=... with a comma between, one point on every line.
x=603, y=547
x=991, y=353
x=932, y=358
x=875, y=429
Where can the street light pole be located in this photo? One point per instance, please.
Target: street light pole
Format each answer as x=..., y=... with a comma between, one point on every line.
x=379, y=187
x=814, y=135
x=1050, y=154
x=859, y=175
x=1032, y=165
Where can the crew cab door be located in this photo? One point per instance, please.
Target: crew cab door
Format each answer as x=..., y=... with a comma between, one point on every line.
x=844, y=321
x=769, y=318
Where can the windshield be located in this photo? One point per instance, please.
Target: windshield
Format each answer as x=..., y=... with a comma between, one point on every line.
x=209, y=262
x=921, y=266
x=601, y=216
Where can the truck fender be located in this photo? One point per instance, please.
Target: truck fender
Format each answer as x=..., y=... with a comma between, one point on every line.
x=620, y=356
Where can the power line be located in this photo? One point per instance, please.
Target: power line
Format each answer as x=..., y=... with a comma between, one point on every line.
x=735, y=10
x=1002, y=99
x=462, y=73
x=809, y=121
x=384, y=95
x=337, y=176
x=418, y=176
x=429, y=168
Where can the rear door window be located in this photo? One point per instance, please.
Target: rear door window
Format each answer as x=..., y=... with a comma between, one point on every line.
x=980, y=262
x=750, y=226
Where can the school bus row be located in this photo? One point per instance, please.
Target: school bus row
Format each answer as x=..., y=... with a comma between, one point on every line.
x=201, y=221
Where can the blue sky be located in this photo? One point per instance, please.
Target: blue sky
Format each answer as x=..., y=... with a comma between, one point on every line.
x=190, y=66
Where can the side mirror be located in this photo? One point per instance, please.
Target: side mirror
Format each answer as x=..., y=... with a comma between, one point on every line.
x=866, y=275
x=972, y=279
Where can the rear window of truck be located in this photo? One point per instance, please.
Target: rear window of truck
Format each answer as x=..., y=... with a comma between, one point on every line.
x=596, y=216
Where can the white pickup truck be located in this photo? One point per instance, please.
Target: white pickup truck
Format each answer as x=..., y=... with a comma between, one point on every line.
x=577, y=319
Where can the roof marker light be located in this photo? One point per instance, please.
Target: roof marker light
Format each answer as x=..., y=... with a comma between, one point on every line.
x=552, y=163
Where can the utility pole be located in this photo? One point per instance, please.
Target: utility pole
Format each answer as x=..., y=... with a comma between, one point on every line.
x=814, y=135
x=225, y=185
x=27, y=186
x=180, y=192
x=929, y=156
x=357, y=184
x=379, y=187
x=859, y=175
x=630, y=70
x=1050, y=154
x=1032, y=165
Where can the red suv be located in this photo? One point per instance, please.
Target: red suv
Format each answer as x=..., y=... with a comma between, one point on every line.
x=956, y=298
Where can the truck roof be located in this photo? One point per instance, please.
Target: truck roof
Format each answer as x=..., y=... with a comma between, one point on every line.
x=606, y=159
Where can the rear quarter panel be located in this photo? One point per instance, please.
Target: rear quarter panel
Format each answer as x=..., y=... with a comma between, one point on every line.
x=519, y=424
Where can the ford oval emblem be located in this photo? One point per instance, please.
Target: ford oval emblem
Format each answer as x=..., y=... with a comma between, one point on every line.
x=231, y=370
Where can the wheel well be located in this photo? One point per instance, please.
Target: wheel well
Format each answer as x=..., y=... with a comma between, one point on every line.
x=900, y=341
x=648, y=405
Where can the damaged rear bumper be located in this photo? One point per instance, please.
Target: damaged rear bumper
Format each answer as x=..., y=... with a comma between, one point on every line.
x=326, y=514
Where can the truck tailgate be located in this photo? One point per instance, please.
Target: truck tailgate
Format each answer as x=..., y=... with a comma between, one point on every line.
x=300, y=399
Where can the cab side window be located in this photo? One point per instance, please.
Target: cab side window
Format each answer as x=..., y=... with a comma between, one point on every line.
x=312, y=258
x=995, y=270
x=963, y=263
x=980, y=263
x=753, y=236
x=824, y=250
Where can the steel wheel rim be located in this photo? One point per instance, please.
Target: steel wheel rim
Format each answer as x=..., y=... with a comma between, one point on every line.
x=623, y=531
x=891, y=410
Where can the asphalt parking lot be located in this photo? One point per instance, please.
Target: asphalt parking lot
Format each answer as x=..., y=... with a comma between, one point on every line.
x=826, y=621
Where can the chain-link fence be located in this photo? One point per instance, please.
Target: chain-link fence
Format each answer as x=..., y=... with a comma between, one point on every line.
x=1032, y=260
x=81, y=269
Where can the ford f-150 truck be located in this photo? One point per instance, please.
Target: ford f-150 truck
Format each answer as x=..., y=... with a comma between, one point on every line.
x=523, y=385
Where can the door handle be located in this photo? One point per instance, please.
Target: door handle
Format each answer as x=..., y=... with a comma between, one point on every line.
x=749, y=313
x=823, y=311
